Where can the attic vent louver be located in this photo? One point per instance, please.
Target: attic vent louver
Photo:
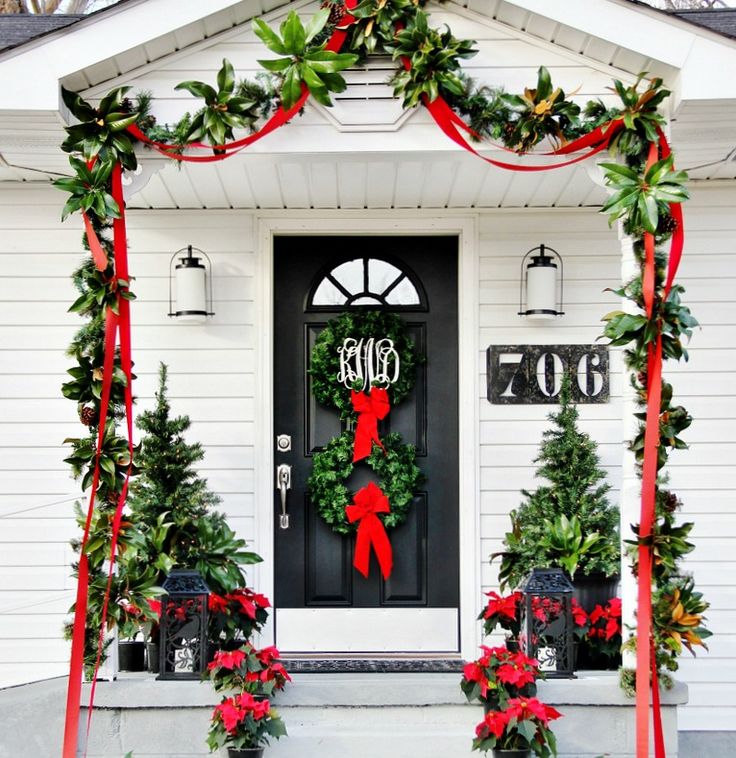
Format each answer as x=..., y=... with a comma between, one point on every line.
x=368, y=99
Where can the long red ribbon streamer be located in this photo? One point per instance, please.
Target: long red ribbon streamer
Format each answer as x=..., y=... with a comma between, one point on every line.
x=371, y=409
x=367, y=503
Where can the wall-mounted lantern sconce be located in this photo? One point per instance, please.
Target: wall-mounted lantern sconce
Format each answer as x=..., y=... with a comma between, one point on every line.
x=193, y=285
x=540, y=291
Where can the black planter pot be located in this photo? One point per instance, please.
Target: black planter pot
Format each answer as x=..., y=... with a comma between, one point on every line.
x=595, y=589
x=245, y=752
x=152, y=657
x=131, y=655
x=511, y=753
x=512, y=644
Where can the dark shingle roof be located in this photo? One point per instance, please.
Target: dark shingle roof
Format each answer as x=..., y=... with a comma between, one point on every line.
x=720, y=20
x=19, y=28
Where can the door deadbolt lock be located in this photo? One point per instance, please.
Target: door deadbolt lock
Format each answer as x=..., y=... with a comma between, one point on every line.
x=283, y=443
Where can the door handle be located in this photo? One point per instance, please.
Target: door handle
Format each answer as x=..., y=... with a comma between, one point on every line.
x=283, y=483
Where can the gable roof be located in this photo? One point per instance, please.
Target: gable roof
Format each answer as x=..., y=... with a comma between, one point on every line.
x=719, y=20
x=18, y=28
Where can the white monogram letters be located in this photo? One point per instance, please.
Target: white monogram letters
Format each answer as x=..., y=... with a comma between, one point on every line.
x=369, y=362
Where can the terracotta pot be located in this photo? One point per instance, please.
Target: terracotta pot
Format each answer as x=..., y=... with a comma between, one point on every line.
x=245, y=752
x=131, y=655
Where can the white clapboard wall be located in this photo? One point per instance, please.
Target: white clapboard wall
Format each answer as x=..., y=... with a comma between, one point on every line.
x=212, y=380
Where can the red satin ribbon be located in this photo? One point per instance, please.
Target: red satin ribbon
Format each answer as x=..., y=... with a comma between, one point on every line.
x=371, y=409
x=367, y=503
x=115, y=324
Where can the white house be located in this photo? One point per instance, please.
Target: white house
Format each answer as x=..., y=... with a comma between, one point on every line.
x=362, y=180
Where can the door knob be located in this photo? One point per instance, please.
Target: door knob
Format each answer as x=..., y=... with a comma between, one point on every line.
x=283, y=483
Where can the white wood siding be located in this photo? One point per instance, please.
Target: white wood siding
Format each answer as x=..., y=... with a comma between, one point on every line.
x=211, y=380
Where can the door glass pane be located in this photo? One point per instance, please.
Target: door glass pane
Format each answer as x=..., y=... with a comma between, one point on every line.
x=350, y=275
x=328, y=294
x=381, y=274
x=403, y=293
x=366, y=300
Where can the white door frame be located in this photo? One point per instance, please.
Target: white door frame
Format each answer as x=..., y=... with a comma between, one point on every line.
x=410, y=223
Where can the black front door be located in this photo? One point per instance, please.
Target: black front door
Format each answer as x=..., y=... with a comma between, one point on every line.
x=315, y=280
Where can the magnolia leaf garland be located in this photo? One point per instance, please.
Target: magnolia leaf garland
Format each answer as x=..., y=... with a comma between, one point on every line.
x=395, y=465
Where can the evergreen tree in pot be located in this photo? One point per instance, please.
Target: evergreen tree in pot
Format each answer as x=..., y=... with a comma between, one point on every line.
x=172, y=507
x=568, y=522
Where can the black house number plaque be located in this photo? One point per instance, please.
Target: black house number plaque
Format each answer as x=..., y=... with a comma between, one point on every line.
x=531, y=374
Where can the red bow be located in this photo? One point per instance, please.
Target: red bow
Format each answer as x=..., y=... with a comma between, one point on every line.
x=371, y=409
x=367, y=502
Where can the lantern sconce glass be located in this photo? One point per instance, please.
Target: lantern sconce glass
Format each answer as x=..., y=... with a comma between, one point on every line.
x=540, y=290
x=193, y=280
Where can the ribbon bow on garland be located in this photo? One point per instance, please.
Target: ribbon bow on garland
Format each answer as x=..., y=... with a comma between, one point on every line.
x=368, y=502
x=370, y=409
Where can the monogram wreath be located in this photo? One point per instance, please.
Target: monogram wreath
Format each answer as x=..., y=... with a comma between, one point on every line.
x=328, y=376
x=363, y=351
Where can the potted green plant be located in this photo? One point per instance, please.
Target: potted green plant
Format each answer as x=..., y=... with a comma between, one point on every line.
x=520, y=728
x=244, y=724
x=568, y=521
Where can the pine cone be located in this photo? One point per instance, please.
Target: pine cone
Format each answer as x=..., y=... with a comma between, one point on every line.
x=88, y=416
x=667, y=224
x=337, y=10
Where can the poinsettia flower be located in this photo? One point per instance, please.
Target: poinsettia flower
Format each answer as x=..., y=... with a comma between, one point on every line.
x=614, y=607
x=261, y=600
x=579, y=616
x=596, y=614
x=230, y=714
x=510, y=673
x=494, y=722
x=475, y=673
x=267, y=654
x=501, y=606
x=216, y=603
x=522, y=708
x=275, y=671
x=227, y=659
x=155, y=606
x=247, y=606
x=180, y=613
x=552, y=713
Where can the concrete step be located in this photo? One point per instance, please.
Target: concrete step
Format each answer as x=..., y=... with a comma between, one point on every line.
x=332, y=716
x=365, y=716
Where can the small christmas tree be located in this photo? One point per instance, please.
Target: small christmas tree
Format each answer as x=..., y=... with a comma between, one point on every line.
x=172, y=507
x=540, y=535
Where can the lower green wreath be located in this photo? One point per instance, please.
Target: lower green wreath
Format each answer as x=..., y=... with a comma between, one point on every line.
x=397, y=471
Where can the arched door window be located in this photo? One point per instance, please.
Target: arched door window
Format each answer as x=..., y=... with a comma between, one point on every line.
x=367, y=280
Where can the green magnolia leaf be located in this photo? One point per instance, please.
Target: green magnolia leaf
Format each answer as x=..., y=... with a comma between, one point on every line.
x=226, y=77
x=199, y=89
x=269, y=37
x=316, y=24
x=293, y=34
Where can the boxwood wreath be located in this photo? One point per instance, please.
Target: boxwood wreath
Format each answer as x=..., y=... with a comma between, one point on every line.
x=324, y=363
x=646, y=193
x=399, y=478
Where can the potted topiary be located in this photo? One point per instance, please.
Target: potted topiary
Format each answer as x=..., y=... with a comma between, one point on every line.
x=568, y=522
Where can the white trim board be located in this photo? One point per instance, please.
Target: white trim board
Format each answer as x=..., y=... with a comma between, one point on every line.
x=412, y=223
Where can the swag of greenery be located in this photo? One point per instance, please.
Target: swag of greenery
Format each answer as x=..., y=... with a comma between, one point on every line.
x=643, y=198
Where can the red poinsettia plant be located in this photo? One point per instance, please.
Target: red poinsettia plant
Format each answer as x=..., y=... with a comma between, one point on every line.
x=503, y=612
x=243, y=721
x=248, y=669
x=234, y=617
x=498, y=676
x=523, y=724
x=604, y=632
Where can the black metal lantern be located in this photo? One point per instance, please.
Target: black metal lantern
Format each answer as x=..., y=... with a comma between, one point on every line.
x=183, y=636
x=193, y=280
x=540, y=290
x=547, y=622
